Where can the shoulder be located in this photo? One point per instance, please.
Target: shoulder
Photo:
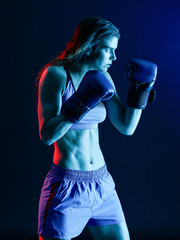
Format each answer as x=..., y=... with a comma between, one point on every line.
x=54, y=77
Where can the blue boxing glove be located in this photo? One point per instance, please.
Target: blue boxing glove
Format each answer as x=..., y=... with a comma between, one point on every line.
x=93, y=88
x=141, y=74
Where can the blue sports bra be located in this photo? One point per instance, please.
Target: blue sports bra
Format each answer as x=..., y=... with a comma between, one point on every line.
x=93, y=117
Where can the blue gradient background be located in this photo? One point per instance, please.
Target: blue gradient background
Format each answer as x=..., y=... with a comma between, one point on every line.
x=145, y=166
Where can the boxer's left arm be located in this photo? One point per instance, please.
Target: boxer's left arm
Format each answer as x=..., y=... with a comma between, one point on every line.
x=124, y=118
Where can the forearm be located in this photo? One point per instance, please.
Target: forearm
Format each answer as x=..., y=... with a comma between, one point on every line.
x=131, y=120
x=54, y=129
x=141, y=75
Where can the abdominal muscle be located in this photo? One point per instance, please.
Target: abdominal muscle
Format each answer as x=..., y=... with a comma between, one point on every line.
x=79, y=150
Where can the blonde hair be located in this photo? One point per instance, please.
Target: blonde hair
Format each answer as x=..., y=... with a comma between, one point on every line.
x=88, y=34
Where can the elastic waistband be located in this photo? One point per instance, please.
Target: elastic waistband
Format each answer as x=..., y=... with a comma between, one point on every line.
x=84, y=126
x=78, y=175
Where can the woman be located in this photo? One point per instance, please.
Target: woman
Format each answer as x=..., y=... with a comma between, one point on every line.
x=75, y=92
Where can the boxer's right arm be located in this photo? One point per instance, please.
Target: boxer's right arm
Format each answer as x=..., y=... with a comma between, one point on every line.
x=52, y=125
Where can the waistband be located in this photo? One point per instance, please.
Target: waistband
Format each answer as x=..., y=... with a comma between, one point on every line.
x=84, y=126
x=78, y=175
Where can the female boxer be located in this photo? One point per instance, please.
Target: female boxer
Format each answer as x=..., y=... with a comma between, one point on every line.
x=75, y=92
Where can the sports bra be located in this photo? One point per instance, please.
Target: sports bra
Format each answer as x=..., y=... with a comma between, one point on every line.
x=95, y=116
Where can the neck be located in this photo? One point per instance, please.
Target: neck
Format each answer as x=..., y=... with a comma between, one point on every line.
x=79, y=73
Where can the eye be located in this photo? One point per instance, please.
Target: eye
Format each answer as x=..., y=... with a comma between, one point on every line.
x=108, y=50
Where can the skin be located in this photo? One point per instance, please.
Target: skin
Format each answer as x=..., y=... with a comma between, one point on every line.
x=79, y=149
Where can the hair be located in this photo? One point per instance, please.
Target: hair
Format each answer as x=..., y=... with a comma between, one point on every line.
x=88, y=34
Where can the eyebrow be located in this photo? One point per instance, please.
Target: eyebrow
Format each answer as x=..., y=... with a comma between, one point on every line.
x=106, y=46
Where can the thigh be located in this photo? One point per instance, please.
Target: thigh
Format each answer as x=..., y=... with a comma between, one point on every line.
x=41, y=237
x=110, y=232
x=64, y=209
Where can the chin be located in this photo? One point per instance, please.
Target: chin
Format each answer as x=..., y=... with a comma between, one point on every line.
x=103, y=69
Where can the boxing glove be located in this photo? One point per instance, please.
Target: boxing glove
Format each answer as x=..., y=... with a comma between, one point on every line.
x=142, y=75
x=93, y=88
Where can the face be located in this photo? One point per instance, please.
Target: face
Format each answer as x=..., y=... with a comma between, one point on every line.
x=105, y=54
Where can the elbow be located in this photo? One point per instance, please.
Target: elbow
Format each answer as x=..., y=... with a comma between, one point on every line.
x=127, y=131
x=45, y=139
x=46, y=142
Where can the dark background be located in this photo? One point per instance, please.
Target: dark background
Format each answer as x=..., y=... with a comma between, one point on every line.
x=145, y=166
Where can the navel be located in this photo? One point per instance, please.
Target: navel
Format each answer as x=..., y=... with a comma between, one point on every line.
x=91, y=161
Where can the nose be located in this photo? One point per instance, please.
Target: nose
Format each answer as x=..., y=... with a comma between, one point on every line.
x=113, y=56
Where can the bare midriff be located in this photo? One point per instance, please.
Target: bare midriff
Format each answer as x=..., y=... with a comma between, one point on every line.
x=79, y=150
